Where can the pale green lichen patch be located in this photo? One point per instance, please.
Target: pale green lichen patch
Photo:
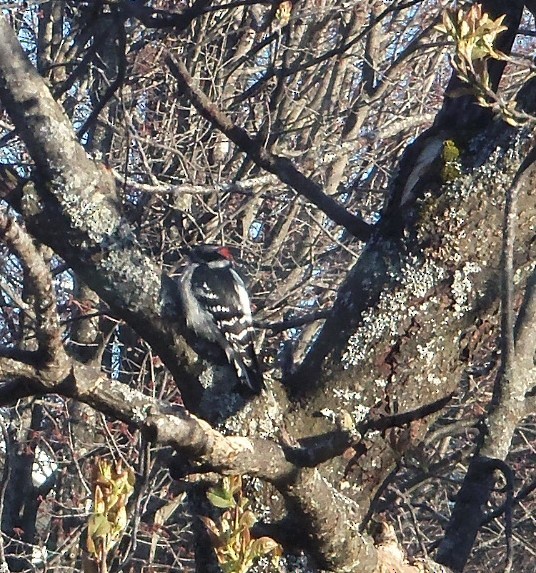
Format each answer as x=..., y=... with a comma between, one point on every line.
x=403, y=337
x=88, y=209
x=139, y=414
x=136, y=270
x=264, y=423
x=381, y=382
x=353, y=402
x=92, y=216
x=462, y=286
x=416, y=279
x=521, y=273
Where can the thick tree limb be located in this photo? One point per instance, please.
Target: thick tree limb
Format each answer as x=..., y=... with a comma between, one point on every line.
x=328, y=514
x=514, y=380
x=525, y=333
x=74, y=209
x=362, y=306
x=381, y=257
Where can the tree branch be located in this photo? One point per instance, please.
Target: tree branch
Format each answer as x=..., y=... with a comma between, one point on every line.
x=74, y=209
x=48, y=330
x=327, y=512
x=515, y=378
x=279, y=166
x=156, y=18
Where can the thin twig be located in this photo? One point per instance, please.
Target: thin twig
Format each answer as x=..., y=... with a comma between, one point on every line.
x=3, y=485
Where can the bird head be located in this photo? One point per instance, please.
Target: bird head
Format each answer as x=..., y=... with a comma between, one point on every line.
x=209, y=253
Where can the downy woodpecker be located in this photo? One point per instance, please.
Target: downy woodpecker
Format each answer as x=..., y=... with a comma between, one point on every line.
x=216, y=306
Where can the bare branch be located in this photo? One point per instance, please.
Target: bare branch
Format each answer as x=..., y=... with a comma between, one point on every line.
x=296, y=322
x=48, y=329
x=41, y=121
x=280, y=166
x=73, y=209
x=525, y=329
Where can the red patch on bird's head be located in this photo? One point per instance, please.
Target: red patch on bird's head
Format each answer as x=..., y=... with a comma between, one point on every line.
x=226, y=253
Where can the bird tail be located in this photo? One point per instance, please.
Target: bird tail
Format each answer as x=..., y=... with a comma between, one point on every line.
x=251, y=374
x=247, y=368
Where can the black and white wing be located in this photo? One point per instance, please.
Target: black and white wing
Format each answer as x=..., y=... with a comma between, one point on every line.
x=222, y=314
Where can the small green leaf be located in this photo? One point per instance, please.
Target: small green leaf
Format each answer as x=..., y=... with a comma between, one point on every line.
x=264, y=545
x=218, y=500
